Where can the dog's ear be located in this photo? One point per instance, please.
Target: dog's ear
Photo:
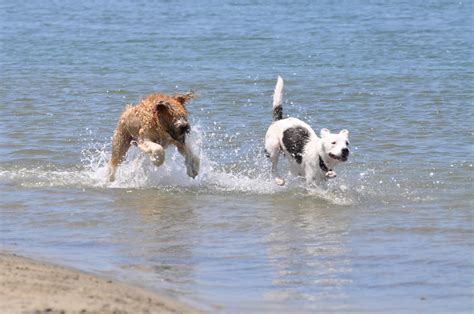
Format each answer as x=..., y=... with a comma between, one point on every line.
x=162, y=105
x=345, y=133
x=183, y=98
x=325, y=132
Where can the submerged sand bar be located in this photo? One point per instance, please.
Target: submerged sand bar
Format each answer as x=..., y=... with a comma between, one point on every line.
x=29, y=286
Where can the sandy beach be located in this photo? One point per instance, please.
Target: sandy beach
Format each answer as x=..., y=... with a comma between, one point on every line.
x=29, y=286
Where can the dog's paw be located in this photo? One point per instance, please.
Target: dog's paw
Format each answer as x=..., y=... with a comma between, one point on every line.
x=192, y=172
x=330, y=174
x=192, y=168
x=280, y=181
x=157, y=160
x=111, y=178
x=110, y=174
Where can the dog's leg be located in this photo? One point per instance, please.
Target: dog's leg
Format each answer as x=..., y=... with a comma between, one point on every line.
x=310, y=175
x=273, y=150
x=191, y=161
x=154, y=150
x=120, y=145
x=278, y=179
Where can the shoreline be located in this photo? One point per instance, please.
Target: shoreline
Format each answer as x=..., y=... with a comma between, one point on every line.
x=31, y=286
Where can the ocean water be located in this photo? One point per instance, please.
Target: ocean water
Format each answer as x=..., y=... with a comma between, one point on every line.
x=392, y=233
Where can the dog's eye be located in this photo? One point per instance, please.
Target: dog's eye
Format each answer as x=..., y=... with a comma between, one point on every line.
x=347, y=143
x=333, y=143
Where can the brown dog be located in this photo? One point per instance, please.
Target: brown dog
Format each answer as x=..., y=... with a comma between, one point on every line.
x=156, y=122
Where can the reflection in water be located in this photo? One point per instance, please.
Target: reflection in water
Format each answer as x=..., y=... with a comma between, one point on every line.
x=160, y=237
x=306, y=247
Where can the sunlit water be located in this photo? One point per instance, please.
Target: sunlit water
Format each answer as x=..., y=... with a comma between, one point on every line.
x=392, y=233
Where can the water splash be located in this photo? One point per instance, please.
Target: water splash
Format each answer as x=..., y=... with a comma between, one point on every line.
x=243, y=171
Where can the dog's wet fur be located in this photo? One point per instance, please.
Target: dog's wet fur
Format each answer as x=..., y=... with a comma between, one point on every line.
x=310, y=156
x=158, y=121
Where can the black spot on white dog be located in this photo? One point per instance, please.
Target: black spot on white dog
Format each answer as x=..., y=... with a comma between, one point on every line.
x=295, y=139
x=277, y=113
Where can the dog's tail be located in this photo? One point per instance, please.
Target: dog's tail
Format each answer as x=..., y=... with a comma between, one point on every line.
x=277, y=111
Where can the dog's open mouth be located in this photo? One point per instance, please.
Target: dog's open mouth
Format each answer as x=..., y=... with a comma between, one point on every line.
x=340, y=158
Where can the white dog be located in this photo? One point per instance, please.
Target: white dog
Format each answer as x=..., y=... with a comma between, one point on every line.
x=309, y=156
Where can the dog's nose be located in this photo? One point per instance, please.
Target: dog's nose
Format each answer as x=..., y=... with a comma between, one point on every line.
x=345, y=152
x=185, y=128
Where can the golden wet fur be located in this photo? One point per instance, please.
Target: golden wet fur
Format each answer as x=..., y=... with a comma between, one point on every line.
x=156, y=122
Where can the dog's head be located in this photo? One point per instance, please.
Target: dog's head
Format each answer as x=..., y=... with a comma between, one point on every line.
x=336, y=145
x=173, y=116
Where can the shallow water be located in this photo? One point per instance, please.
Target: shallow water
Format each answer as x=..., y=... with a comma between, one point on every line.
x=392, y=233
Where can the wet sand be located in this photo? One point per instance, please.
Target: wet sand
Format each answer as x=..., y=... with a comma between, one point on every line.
x=29, y=286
